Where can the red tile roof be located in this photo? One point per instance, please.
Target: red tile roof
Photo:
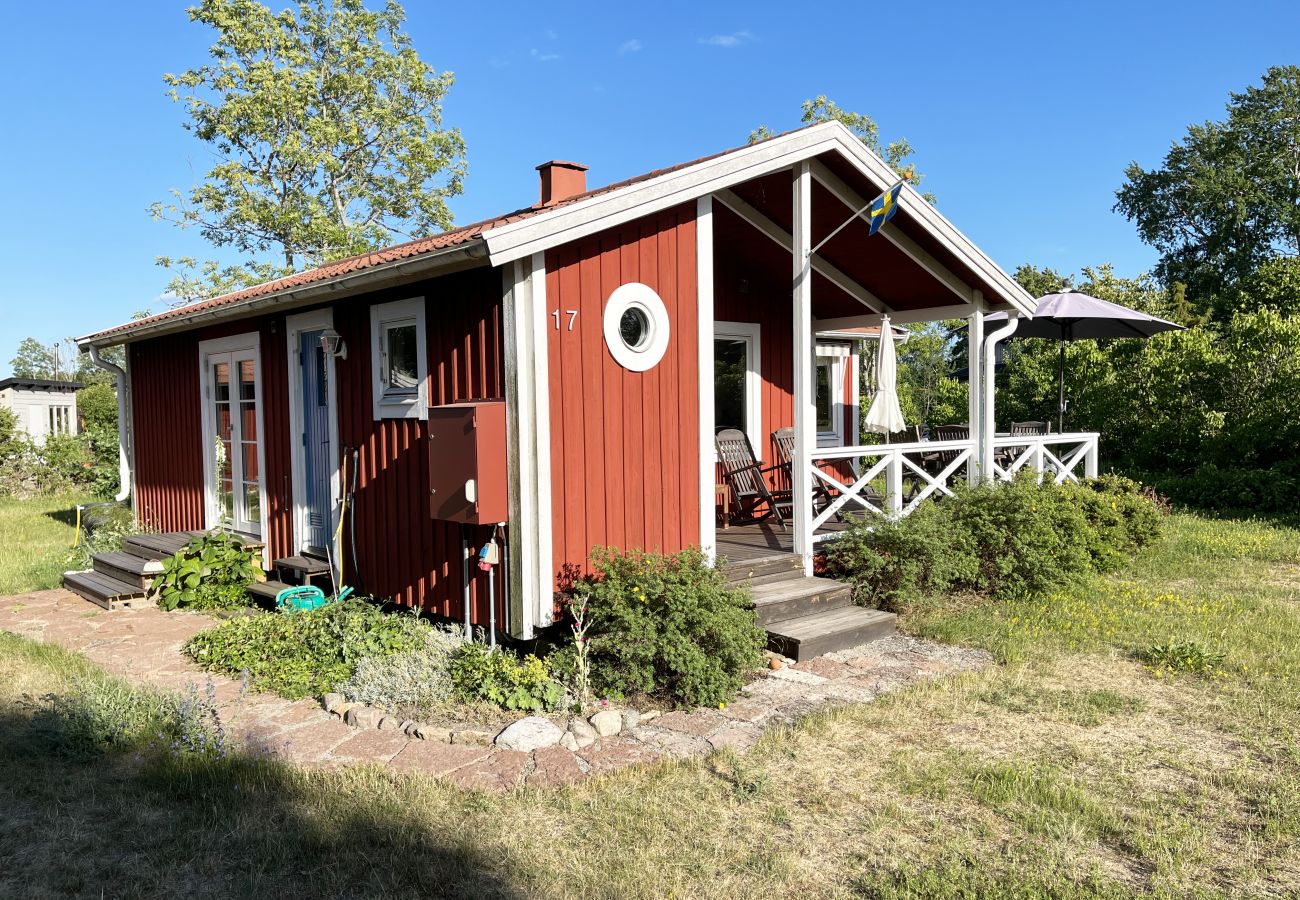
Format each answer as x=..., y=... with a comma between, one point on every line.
x=447, y=239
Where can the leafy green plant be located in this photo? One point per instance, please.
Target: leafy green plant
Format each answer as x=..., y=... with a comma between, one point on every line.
x=501, y=678
x=1010, y=540
x=667, y=626
x=306, y=654
x=1179, y=657
x=212, y=571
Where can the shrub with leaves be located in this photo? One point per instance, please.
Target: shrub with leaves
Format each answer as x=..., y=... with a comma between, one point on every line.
x=503, y=679
x=1007, y=539
x=306, y=654
x=667, y=626
x=212, y=571
x=415, y=679
x=1183, y=656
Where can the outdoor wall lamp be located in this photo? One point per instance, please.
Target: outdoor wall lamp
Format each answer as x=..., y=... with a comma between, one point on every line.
x=332, y=342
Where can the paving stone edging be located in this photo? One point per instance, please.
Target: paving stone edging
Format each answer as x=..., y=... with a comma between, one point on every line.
x=144, y=645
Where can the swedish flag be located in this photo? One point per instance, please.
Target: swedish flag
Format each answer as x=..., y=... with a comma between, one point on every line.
x=884, y=207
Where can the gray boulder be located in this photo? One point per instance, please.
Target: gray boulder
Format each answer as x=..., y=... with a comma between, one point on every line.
x=532, y=733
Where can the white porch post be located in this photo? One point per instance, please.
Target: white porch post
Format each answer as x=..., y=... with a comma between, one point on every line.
x=805, y=414
x=989, y=364
x=704, y=291
x=975, y=387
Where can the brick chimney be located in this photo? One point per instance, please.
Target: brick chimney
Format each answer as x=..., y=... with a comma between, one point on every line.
x=562, y=180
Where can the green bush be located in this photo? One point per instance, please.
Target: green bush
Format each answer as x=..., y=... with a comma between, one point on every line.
x=503, y=679
x=1006, y=539
x=416, y=679
x=1212, y=487
x=306, y=654
x=1180, y=657
x=212, y=571
x=667, y=626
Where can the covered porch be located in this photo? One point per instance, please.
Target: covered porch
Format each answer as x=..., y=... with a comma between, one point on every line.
x=796, y=270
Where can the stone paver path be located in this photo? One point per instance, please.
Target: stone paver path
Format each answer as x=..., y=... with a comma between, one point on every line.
x=144, y=645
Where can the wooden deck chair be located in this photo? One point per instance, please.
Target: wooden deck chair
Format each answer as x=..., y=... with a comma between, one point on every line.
x=822, y=497
x=943, y=458
x=1035, y=428
x=748, y=480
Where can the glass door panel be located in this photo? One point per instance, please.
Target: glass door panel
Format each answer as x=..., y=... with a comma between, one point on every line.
x=234, y=399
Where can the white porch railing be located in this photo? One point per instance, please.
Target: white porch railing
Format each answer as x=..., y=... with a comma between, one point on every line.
x=914, y=472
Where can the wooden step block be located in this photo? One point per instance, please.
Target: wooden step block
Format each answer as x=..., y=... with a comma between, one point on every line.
x=780, y=601
x=824, y=632
x=263, y=592
x=104, y=591
x=128, y=568
x=746, y=570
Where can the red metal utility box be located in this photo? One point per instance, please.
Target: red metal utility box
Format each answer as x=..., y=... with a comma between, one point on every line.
x=467, y=462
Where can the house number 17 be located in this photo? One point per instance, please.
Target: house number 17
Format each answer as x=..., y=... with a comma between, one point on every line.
x=571, y=313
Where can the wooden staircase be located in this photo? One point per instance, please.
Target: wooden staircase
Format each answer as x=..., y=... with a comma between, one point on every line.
x=805, y=616
x=122, y=579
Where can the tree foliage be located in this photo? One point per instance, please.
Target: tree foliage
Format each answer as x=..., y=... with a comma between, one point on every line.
x=1226, y=198
x=897, y=153
x=326, y=126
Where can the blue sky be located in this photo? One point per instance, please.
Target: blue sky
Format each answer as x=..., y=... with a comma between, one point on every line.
x=1023, y=115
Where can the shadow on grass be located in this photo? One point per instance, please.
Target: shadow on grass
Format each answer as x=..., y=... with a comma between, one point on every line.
x=147, y=823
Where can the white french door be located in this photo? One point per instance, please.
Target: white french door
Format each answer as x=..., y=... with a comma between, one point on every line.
x=232, y=427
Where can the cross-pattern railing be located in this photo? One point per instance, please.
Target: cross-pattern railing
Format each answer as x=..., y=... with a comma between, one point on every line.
x=895, y=479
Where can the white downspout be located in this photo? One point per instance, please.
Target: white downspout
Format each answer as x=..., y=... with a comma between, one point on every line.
x=988, y=421
x=123, y=422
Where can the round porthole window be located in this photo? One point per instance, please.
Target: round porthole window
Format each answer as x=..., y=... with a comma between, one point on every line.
x=636, y=327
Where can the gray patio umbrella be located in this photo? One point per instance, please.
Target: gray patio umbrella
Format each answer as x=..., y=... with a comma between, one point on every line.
x=1069, y=315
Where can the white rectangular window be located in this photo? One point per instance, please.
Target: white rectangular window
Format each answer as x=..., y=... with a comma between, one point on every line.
x=60, y=420
x=738, y=380
x=399, y=360
x=829, y=377
x=232, y=428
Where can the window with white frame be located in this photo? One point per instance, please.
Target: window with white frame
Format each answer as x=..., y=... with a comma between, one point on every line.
x=60, y=420
x=829, y=379
x=738, y=380
x=400, y=365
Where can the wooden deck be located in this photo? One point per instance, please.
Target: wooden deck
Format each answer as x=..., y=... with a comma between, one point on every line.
x=741, y=542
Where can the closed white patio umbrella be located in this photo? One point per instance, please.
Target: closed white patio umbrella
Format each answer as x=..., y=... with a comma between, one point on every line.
x=885, y=416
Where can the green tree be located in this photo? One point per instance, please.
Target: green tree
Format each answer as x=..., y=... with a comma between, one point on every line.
x=927, y=391
x=326, y=126
x=1226, y=199
x=821, y=109
x=33, y=360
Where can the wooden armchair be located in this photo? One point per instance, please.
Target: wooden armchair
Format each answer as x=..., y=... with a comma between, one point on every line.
x=822, y=497
x=748, y=480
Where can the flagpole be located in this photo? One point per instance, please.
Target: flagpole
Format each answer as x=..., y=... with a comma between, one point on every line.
x=845, y=223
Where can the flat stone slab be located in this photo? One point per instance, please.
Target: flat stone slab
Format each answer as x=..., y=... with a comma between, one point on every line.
x=372, y=746
x=500, y=770
x=435, y=758
x=555, y=767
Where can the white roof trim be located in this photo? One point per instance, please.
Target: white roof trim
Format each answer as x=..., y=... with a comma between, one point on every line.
x=610, y=209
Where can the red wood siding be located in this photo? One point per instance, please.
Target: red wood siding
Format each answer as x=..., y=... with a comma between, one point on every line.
x=403, y=554
x=624, y=445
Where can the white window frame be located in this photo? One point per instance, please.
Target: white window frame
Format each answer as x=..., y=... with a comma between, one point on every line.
x=835, y=356
x=642, y=298
x=751, y=333
x=317, y=320
x=382, y=317
x=250, y=342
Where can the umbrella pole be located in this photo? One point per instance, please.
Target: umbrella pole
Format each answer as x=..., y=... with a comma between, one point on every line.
x=1060, y=391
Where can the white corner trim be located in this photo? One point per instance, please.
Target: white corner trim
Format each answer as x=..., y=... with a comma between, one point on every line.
x=752, y=334
x=704, y=331
x=643, y=299
x=521, y=450
x=545, y=612
x=295, y=325
x=381, y=316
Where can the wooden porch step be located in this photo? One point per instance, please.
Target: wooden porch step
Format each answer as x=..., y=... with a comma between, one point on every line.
x=161, y=546
x=747, y=570
x=304, y=570
x=104, y=591
x=264, y=592
x=128, y=568
x=781, y=601
x=825, y=632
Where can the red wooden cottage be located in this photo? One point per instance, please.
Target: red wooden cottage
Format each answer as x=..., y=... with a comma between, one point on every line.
x=558, y=370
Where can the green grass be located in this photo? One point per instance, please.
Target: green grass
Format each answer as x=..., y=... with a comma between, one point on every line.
x=1072, y=769
x=35, y=542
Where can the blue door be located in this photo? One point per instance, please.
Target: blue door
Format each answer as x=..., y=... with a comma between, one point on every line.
x=315, y=443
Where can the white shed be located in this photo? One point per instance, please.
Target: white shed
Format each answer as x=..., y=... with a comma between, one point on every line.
x=43, y=407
